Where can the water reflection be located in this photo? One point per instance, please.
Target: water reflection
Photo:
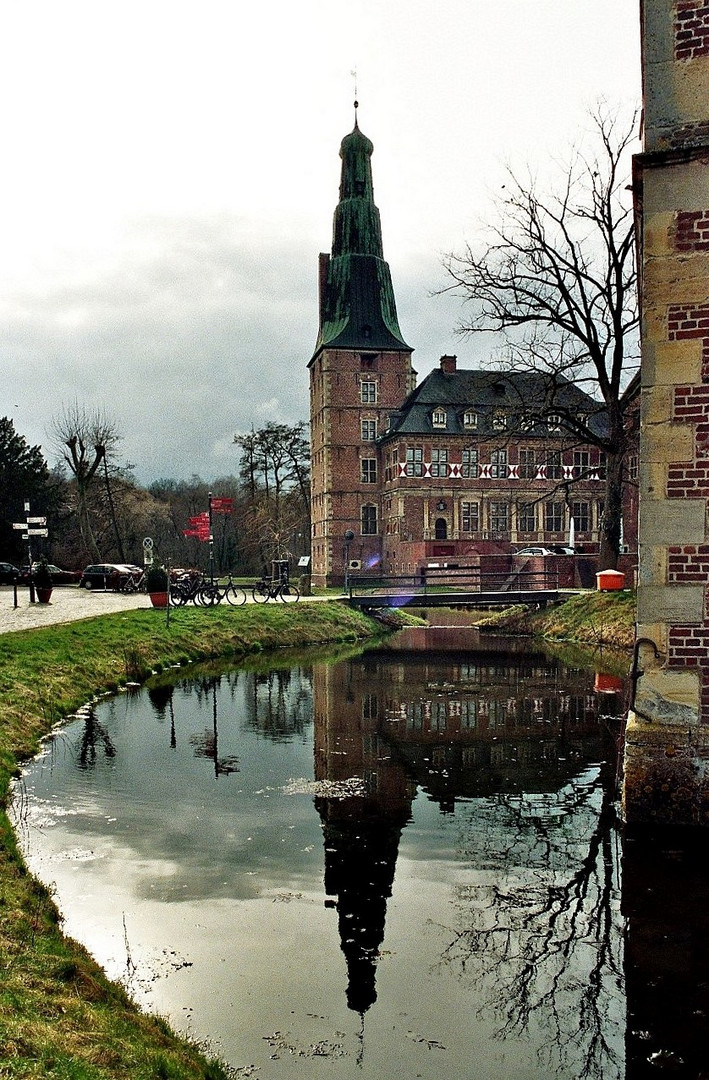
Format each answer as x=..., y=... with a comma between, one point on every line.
x=448, y=802
x=503, y=742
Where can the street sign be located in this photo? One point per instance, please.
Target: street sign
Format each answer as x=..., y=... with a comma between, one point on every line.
x=36, y=521
x=38, y=532
x=19, y=524
x=222, y=506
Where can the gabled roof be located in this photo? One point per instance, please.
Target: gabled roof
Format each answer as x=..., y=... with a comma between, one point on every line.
x=524, y=395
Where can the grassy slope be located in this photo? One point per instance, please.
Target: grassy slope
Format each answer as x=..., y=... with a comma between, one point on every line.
x=59, y=1015
x=592, y=619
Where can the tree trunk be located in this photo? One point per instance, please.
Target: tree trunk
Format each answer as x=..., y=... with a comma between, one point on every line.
x=610, y=526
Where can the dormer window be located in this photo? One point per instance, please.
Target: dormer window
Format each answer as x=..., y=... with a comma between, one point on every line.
x=470, y=420
x=499, y=421
x=439, y=418
x=554, y=422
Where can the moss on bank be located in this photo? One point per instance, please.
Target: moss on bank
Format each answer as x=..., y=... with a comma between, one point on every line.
x=60, y=1016
x=592, y=619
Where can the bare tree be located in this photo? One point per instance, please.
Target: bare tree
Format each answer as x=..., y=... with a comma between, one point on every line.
x=556, y=277
x=86, y=438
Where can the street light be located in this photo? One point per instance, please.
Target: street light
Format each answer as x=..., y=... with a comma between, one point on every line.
x=349, y=537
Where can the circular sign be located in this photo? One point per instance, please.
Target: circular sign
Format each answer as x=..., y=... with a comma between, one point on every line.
x=148, y=543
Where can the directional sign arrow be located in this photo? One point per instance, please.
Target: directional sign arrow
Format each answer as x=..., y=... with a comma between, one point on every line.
x=38, y=532
x=36, y=521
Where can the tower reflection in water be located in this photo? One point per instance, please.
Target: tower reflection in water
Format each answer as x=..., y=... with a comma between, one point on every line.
x=425, y=712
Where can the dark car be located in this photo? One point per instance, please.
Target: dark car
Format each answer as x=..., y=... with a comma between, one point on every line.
x=105, y=576
x=58, y=576
x=8, y=573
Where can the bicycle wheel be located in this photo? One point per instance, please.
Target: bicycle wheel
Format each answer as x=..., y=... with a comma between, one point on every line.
x=178, y=596
x=260, y=592
x=209, y=594
x=289, y=593
x=234, y=595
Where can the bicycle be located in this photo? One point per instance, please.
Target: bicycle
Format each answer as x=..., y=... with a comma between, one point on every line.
x=266, y=589
x=134, y=583
x=233, y=594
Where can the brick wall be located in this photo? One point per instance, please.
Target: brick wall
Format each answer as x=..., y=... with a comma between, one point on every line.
x=691, y=36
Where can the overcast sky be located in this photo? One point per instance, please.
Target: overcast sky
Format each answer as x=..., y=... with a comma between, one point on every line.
x=170, y=171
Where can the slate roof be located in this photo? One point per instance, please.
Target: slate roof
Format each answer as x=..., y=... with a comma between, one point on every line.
x=357, y=305
x=516, y=395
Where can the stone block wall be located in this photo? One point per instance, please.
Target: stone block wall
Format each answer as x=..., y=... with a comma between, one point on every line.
x=667, y=746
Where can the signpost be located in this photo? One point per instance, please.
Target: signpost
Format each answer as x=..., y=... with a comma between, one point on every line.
x=32, y=526
x=201, y=525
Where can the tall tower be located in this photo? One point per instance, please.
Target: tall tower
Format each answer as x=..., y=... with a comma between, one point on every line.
x=360, y=372
x=667, y=738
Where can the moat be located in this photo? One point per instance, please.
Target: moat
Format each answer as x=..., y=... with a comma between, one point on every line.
x=406, y=861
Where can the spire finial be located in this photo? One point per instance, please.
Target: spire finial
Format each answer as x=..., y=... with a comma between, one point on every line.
x=353, y=73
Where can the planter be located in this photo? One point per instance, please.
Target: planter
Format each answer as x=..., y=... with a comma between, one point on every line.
x=43, y=594
x=158, y=599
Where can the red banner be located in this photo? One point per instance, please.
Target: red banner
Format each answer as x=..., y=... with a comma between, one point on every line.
x=222, y=506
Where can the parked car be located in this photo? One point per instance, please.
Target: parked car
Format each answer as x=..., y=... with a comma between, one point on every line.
x=8, y=573
x=538, y=549
x=58, y=576
x=106, y=576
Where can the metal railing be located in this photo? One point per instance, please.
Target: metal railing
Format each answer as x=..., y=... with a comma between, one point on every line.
x=473, y=579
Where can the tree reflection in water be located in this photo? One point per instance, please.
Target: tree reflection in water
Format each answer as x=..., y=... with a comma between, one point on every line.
x=541, y=918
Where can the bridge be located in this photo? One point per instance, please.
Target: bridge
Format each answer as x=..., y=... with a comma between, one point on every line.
x=459, y=587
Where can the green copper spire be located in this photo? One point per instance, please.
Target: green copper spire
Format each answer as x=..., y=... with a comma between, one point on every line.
x=357, y=306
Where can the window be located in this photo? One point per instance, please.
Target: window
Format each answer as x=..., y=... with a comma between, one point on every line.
x=498, y=463
x=633, y=467
x=470, y=420
x=554, y=516
x=554, y=422
x=582, y=516
x=582, y=463
x=527, y=465
x=499, y=517
x=439, y=463
x=369, y=470
x=414, y=461
x=369, y=520
x=554, y=466
x=526, y=518
x=499, y=421
x=439, y=417
x=470, y=463
x=368, y=393
x=470, y=517
x=441, y=529
x=369, y=430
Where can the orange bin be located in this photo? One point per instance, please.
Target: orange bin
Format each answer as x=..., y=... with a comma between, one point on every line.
x=608, y=580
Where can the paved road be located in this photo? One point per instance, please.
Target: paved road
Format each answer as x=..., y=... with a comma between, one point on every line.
x=70, y=603
x=67, y=604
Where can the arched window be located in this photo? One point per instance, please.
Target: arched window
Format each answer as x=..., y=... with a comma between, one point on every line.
x=441, y=529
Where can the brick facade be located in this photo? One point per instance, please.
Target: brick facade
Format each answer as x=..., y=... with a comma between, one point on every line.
x=691, y=29
x=666, y=775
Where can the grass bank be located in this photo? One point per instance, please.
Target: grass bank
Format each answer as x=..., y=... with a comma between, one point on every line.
x=593, y=619
x=60, y=1017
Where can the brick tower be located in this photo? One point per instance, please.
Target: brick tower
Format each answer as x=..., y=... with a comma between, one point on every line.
x=667, y=740
x=360, y=372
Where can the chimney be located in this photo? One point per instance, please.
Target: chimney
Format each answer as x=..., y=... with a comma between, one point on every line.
x=448, y=364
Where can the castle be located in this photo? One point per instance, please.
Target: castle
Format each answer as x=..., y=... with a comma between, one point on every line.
x=468, y=463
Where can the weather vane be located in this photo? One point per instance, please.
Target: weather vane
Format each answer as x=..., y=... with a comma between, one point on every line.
x=353, y=73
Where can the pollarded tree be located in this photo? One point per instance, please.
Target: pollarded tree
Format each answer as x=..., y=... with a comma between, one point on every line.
x=556, y=277
x=87, y=440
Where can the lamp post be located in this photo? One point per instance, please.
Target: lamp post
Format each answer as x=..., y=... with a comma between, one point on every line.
x=349, y=537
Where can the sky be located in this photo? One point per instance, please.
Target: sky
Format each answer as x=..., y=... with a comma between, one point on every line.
x=170, y=172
